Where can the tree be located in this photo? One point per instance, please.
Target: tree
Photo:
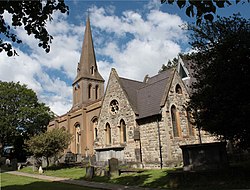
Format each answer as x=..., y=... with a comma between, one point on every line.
x=32, y=16
x=21, y=115
x=201, y=8
x=221, y=68
x=170, y=64
x=49, y=144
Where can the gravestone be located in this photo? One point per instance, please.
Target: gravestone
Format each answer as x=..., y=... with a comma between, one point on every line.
x=14, y=164
x=40, y=170
x=204, y=156
x=90, y=171
x=113, y=167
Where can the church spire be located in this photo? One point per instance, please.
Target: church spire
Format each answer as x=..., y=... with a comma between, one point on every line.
x=87, y=67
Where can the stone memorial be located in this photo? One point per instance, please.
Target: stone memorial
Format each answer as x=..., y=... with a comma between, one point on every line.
x=204, y=156
x=90, y=171
x=113, y=167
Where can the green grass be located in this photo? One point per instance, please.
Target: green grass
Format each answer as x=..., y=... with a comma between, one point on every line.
x=13, y=182
x=73, y=173
x=236, y=177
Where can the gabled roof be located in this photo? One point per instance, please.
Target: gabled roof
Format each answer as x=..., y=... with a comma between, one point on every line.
x=130, y=87
x=147, y=98
x=153, y=95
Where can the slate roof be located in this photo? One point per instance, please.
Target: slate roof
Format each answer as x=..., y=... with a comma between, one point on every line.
x=130, y=87
x=147, y=98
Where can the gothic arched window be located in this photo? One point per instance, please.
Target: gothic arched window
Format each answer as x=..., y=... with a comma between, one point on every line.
x=78, y=138
x=123, y=133
x=175, y=122
x=189, y=123
x=108, y=134
x=178, y=89
x=95, y=128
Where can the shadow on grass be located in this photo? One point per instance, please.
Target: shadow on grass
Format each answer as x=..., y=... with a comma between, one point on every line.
x=44, y=185
x=231, y=178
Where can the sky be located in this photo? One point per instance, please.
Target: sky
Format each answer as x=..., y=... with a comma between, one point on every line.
x=134, y=37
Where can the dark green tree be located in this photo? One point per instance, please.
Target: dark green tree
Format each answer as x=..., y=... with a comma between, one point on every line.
x=202, y=8
x=221, y=68
x=49, y=144
x=170, y=64
x=21, y=114
x=32, y=16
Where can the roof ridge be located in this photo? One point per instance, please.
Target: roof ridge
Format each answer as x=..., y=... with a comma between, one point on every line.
x=149, y=84
x=131, y=80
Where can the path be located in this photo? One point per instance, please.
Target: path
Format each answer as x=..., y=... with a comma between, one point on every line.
x=97, y=185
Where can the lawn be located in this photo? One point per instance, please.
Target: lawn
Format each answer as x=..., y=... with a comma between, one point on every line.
x=235, y=177
x=13, y=182
x=71, y=172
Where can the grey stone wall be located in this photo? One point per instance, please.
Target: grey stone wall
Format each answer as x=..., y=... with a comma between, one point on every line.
x=125, y=112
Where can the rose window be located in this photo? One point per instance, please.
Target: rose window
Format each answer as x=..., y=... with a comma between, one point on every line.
x=114, y=106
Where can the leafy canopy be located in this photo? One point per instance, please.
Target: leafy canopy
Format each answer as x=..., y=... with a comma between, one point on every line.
x=221, y=68
x=202, y=8
x=32, y=16
x=50, y=143
x=21, y=114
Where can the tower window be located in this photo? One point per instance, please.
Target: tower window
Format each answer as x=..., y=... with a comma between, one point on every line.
x=89, y=90
x=96, y=91
x=92, y=70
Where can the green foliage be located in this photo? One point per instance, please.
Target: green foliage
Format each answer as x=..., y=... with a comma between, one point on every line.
x=222, y=73
x=202, y=8
x=21, y=114
x=32, y=16
x=50, y=143
x=170, y=64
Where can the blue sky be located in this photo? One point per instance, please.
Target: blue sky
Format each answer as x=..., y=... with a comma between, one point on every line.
x=134, y=37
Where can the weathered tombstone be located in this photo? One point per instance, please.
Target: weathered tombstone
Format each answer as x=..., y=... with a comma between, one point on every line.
x=40, y=170
x=19, y=166
x=113, y=167
x=204, y=156
x=90, y=170
x=92, y=160
x=14, y=164
x=7, y=162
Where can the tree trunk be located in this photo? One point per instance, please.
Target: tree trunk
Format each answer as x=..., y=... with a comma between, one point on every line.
x=47, y=158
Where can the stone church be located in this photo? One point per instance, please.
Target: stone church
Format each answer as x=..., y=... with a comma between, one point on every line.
x=139, y=122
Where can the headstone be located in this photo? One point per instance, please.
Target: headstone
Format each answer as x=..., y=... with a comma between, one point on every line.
x=90, y=170
x=14, y=164
x=7, y=162
x=204, y=156
x=19, y=166
x=40, y=170
x=113, y=167
x=92, y=160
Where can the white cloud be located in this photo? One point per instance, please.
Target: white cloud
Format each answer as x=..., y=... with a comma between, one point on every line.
x=135, y=45
x=153, y=40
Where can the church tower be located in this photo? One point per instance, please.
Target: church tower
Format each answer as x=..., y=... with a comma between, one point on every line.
x=88, y=85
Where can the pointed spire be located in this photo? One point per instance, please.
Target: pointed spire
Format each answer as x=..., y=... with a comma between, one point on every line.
x=87, y=67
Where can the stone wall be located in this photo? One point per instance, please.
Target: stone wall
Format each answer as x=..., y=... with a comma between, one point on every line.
x=126, y=113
